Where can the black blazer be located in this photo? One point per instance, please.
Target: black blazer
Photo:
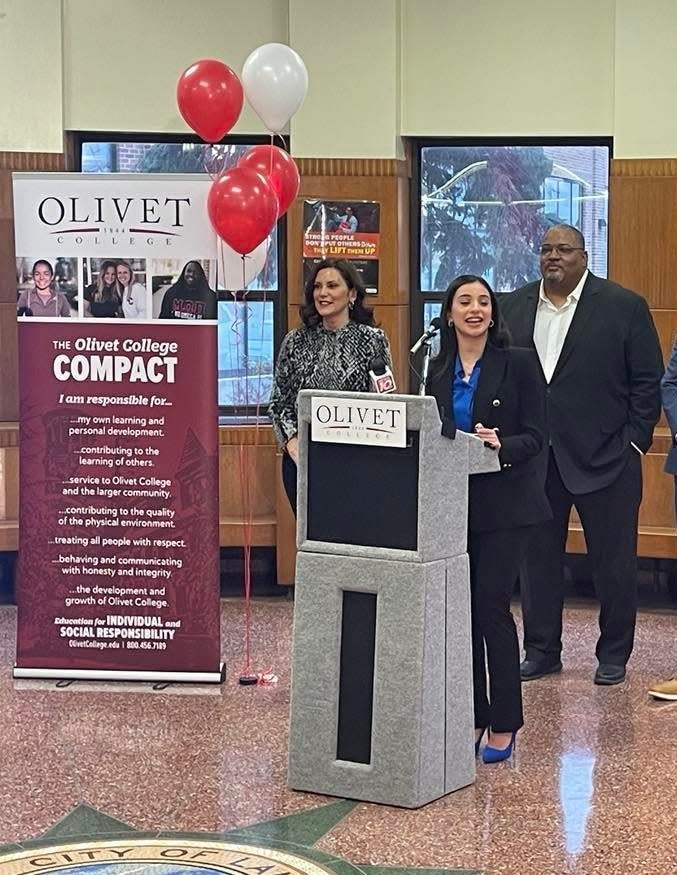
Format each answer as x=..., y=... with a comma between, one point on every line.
x=509, y=396
x=605, y=390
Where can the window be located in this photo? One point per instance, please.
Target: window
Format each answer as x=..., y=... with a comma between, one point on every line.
x=482, y=207
x=246, y=331
x=562, y=200
x=250, y=328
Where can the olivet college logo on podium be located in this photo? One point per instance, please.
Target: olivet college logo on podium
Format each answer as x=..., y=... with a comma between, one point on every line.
x=365, y=421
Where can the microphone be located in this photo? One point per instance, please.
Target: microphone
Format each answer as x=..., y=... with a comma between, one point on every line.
x=431, y=331
x=381, y=377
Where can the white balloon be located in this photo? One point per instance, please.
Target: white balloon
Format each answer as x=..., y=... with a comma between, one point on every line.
x=275, y=83
x=230, y=265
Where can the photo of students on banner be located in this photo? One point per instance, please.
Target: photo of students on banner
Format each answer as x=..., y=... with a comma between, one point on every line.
x=343, y=229
x=103, y=292
x=129, y=276
x=188, y=296
x=115, y=288
x=46, y=289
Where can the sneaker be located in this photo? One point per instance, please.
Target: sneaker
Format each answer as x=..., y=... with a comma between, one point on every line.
x=664, y=689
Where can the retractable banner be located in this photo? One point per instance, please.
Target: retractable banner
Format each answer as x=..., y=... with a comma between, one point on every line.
x=118, y=521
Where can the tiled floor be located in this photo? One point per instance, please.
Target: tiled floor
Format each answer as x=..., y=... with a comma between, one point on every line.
x=592, y=789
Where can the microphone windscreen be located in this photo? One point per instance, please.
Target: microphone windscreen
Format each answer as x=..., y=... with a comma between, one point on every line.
x=378, y=366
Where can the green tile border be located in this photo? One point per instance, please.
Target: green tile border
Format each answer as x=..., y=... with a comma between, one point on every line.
x=295, y=833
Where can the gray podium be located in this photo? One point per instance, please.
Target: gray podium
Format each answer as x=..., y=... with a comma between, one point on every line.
x=381, y=701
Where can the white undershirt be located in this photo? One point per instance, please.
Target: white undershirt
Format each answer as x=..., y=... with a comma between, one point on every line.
x=552, y=325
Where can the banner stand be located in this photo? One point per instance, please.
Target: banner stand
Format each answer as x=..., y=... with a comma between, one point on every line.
x=117, y=309
x=169, y=677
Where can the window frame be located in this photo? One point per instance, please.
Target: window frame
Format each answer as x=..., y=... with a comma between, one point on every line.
x=572, y=184
x=419, y=298
x=228, y=414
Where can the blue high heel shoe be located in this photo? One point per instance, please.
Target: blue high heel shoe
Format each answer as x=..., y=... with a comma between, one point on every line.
x=498, y=754
x=479, y=741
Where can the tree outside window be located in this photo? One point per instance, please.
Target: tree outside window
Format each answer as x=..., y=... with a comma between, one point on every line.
x=485, y=208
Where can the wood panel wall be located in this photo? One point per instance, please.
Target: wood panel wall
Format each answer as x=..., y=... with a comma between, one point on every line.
x=642, y=215
x=9, y=486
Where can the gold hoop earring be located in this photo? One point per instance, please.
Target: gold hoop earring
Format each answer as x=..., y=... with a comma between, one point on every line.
x=491, y=323
x=351, y=304
x=450, y=323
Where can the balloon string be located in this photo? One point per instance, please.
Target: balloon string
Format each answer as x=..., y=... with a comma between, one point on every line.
x=247, y=460
x=246, y=549
x=259, y=376
x=245, y=313
x=214, y=159
x=234, y=327
x=245, y=493
x=207, y=155
x=246, y=502
x=247, y=473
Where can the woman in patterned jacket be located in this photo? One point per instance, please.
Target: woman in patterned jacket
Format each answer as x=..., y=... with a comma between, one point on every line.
x=333, y=349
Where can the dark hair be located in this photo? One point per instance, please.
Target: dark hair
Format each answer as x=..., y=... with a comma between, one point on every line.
x=201, y=275
x=580, y=239
x=42, y=261
x=498, y=335
x=359, y=313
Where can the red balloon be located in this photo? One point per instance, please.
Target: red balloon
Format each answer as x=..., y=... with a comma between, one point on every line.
x=242, y=207
x=210, y=99
x=284, y=175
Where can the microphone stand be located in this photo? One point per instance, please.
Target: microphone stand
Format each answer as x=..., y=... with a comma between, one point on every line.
x=427, y=353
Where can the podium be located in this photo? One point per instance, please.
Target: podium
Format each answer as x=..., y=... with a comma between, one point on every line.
x=381, y=698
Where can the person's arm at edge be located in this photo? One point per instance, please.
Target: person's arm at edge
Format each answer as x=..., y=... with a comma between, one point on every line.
x=669, y=393
x=282, y=407
x=645, y=368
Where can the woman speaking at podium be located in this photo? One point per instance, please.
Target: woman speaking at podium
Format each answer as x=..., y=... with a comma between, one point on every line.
x=333, y=349
x=484, y=386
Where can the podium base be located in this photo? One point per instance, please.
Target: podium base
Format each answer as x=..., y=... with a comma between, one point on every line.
x=417, y=727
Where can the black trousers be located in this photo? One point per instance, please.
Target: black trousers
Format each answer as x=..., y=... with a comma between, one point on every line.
x=289, y=473
x=609, y=517
x=495, y=559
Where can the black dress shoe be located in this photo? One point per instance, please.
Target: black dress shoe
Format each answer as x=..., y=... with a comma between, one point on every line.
x=608, y=674
x=530, y=669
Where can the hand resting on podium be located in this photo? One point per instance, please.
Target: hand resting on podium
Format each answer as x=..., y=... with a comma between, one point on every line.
x=489, y=436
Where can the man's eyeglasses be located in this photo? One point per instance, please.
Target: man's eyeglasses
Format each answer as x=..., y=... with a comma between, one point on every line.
x=562, y=249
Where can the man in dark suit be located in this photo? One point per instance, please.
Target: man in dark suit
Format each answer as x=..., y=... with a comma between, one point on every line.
x=601, y=363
